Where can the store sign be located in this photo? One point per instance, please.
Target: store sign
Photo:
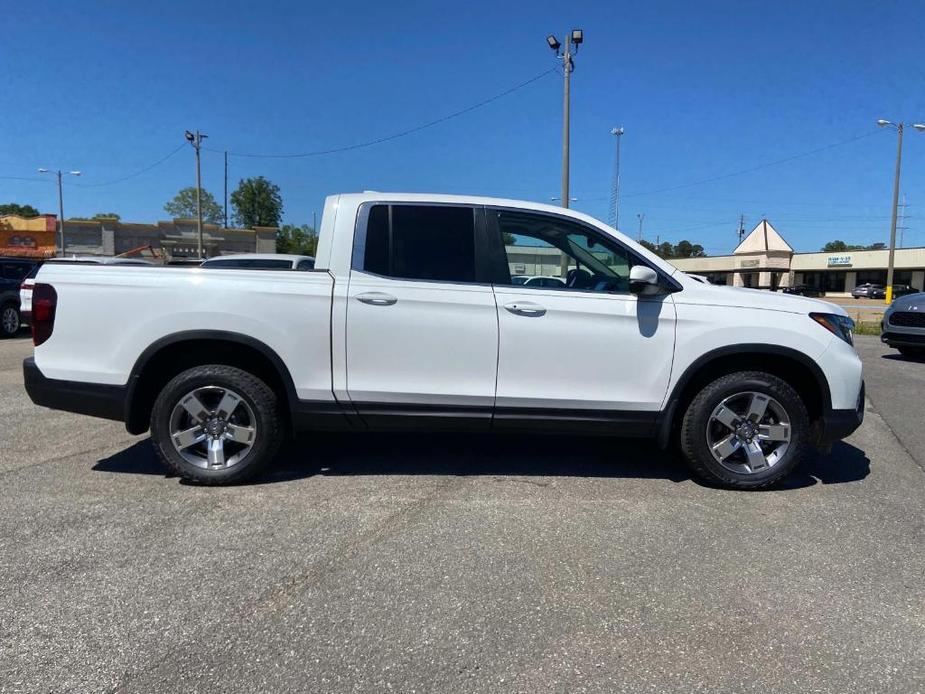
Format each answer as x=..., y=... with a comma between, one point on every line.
x=750, y=263
x=839, y=261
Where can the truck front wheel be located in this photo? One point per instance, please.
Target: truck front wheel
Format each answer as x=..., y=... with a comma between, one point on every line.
x=215, y=424
x=745, y=430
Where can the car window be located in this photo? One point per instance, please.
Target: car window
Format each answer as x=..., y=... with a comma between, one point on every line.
x=305, y=265
x=570, y=255
x=14, y=271
x=420, y=242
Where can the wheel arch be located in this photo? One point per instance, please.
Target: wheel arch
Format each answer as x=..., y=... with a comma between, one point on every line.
x=793, y=366
x=172, y=354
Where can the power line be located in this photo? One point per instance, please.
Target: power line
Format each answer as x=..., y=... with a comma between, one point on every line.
x=755, y=168
x=24, y=178
x=132, y=175
x=394, y=136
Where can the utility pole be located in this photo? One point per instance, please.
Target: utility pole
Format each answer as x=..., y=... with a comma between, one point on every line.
x=741, y=227
x=573, y=39
x=59, y=173
x=899, y=156
x=196, y=142
x=641, y=217
x=902, y=221
x=615, y=189
x=889, y=267
x=226, y=188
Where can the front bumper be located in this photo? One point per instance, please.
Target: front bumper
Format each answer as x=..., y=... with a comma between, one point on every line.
x=895, y=338
x=93, y=399
x=838, y=424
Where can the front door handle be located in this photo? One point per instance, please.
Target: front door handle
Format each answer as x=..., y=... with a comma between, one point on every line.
x=526, y=309
x=377, y=299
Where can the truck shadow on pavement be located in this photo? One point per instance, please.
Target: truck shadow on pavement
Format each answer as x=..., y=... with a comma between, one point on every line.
x=483, y=454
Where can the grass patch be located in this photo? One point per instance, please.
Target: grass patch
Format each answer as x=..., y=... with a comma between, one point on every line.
x=867, y=328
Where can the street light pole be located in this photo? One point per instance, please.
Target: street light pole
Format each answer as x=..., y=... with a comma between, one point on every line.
x=196, y=141
x=899, y=155
x=641, y=216
x=572, y=40
x=615, y=190
x=889, y=270
x=59, y=174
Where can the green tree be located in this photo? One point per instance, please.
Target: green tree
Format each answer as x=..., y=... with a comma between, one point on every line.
x=183, y=206
x=17, y=209
x=686, y=249
x=97, y=217
x=648, y=245
x=665, y=249
x=299, y=240
x=841, y=247
x=257, y=203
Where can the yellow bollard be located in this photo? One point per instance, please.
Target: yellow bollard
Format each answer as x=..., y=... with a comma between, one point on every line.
x=889, y=295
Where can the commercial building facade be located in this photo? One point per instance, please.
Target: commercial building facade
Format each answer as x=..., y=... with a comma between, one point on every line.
x=37, y=237
x=765, y=260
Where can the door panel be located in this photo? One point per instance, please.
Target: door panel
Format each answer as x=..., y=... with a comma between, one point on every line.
x=421, y=343
x=585, y=351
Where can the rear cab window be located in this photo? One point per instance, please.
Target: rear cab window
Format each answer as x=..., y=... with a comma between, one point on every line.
x=419, y=242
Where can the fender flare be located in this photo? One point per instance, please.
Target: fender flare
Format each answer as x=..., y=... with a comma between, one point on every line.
x=669, y=412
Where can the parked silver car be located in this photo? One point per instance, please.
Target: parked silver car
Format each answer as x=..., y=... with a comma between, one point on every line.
x=903, y=325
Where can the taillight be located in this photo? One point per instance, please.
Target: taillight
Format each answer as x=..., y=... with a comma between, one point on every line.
x=28, y=284
x=44, y=303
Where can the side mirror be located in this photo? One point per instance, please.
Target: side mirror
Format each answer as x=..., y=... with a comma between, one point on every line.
x=643, y=280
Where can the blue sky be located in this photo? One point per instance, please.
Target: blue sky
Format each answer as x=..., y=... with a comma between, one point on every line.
x=703, y=89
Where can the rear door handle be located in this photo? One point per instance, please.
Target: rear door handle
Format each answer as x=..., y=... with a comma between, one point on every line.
x=377, y=299
x=526, y=309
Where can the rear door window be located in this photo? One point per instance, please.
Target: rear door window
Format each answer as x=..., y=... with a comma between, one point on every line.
x=419, y=242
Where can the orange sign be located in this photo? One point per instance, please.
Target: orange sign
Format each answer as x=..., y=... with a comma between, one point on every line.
x=28, y=243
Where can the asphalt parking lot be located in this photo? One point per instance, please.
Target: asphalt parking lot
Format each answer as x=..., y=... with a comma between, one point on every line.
x=460, y=563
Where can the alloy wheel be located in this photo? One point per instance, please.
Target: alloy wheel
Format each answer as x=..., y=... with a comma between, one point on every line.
x=212, y=427
x=9, y=320
x=748, y=432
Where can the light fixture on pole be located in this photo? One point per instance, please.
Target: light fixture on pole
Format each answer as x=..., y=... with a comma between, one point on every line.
x=59, y=173
x=615, y=189
x=899, y=155
x=195, y=139
x=573, y=39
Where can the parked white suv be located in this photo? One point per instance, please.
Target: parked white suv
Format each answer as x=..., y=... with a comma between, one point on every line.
x=410, y=318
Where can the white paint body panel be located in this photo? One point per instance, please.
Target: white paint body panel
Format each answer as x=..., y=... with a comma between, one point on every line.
x=587, y=351
x=107, y=316
x=437, y=344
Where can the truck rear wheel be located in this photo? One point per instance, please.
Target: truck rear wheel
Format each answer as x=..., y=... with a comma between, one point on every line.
x=215, y=424
x=745, y=430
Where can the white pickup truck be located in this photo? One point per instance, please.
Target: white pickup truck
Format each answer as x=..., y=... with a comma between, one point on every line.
x=410, y=319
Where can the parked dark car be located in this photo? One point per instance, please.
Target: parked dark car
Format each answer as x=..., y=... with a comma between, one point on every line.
x=804, y=290
x=898, y=290
x=863, y=291
x=12, y=273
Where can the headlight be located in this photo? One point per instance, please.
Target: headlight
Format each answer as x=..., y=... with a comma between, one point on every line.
x=836, y=324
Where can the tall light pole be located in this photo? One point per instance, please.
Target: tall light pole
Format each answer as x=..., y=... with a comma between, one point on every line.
x=899, y=156
x=196, y=141
x=59, y=173
x=573, y=39
x=615, y=190
x=641, y=217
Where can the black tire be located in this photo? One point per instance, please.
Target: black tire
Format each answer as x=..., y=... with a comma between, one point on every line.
x=262, y=404
x=695, y=444
x=10, y=320
x=912, y=352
